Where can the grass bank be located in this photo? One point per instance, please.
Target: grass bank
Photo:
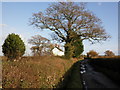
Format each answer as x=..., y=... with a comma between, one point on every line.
x=36, y=72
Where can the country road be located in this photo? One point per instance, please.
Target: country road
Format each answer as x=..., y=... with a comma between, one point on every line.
x=93, y=79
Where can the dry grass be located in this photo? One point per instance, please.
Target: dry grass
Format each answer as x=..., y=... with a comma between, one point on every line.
x=34, y=72
x=108, y=57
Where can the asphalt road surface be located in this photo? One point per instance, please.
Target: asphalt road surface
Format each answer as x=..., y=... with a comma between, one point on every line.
x=93, y=79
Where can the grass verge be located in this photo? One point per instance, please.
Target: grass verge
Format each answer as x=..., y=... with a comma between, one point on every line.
x=39, y=72
x=72, y=78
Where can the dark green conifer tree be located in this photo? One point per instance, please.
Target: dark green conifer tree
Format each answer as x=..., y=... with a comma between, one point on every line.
x=13, y=47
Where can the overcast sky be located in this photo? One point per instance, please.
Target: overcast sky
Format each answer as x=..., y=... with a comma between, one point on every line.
x=15, y=19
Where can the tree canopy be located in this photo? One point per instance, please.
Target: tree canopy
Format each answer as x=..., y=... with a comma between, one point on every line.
x=66, y=18
x=41, y=45
x=109, y=53
x=92, y=53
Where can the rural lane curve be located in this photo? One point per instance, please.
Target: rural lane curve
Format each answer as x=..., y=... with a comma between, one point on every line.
x=93, y=79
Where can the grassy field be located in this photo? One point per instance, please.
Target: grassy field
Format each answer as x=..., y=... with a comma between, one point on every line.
x=38, y=72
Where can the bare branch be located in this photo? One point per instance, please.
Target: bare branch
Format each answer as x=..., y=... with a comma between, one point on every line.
x=63, y=17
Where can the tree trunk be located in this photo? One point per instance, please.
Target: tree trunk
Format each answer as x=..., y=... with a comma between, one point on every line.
x=68, y=50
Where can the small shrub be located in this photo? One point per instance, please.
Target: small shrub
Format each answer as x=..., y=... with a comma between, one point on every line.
x=109, y=53
x=92, y=53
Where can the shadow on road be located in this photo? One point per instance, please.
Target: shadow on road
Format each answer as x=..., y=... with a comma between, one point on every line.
x=72, y=78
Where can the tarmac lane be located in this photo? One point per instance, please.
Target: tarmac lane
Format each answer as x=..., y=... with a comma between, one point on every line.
x=93, y=79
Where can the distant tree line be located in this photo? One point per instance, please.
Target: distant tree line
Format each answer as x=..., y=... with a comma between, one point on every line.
x=13, y=47
x=93, y=53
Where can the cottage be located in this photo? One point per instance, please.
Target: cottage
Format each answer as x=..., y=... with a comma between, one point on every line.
x=57, y=51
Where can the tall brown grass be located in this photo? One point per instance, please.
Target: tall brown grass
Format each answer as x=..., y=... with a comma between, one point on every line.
x=34, y=72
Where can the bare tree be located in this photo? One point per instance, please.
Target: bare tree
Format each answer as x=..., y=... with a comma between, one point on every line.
x=41, y=45
x=109, y=53
x=69, y=19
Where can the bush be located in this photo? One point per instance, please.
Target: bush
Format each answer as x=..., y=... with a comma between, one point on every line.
x=13, y=46
x=109, y=53
x=92, y=53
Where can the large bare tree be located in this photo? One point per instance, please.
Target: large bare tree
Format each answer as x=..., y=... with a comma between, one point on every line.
x=68, y=20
